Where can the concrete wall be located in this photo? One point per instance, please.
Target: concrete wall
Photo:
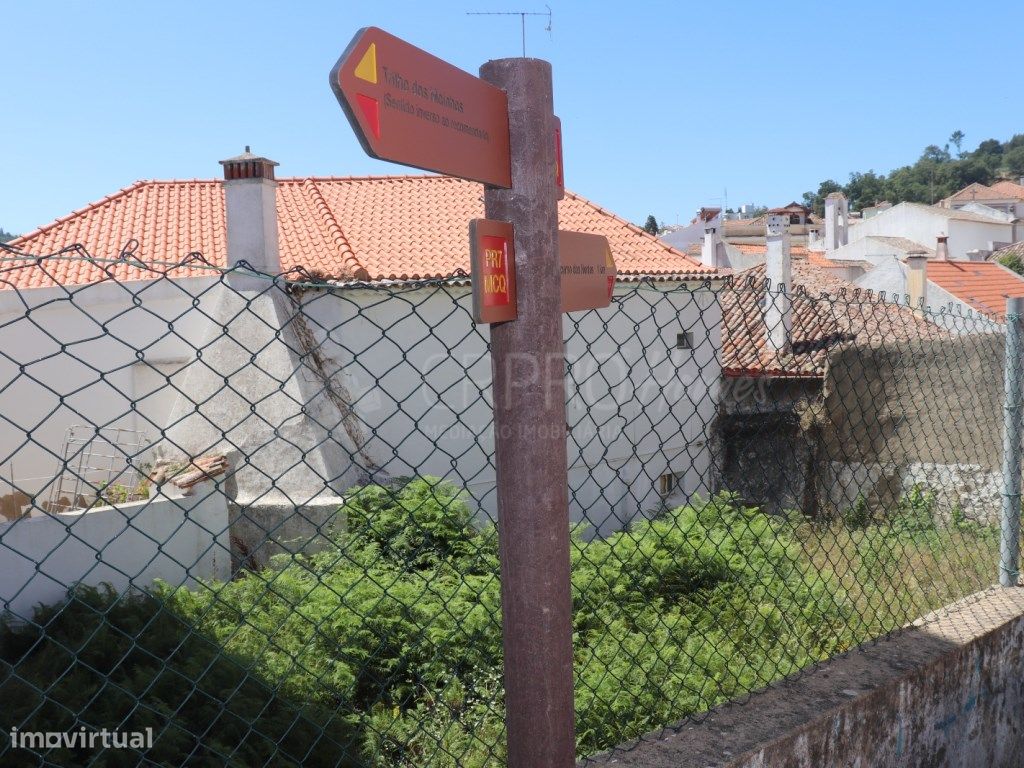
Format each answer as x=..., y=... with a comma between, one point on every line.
x=79, y=352
x=637, y=406
x=922, y=412
x=923, y=225
x=887, y=419
x=411, y=367
x=177, y=540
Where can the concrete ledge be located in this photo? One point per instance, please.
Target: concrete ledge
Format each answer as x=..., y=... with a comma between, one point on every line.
x=948, y=691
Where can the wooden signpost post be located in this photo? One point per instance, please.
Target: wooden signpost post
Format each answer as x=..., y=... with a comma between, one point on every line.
x=412, y=108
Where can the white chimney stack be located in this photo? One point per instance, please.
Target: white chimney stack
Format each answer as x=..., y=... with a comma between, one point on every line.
x=942, y=248
x=778, y=307
x=250, y=198
x=709, y=248
x=917, y=280
x=837, y=220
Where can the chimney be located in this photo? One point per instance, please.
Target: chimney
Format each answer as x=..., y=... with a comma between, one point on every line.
x=709, y=248
x=250, y=197
x=942, y=248
x=837, y=220
x=778, y=307
x=917, y=281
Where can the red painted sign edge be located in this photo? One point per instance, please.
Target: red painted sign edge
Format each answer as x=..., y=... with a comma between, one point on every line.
x=349, y=109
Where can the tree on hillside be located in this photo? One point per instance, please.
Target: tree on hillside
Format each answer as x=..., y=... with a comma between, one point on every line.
x=956, y=139
x=651, y=225
x=816, y=200
x=935, y=175
x=6, y=236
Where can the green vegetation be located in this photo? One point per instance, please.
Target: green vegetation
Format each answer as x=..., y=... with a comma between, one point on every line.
x=6, y=237
x=937, y=174
x=651, y=226
x=130, y=663
x=1012, y=261
x=390, y=641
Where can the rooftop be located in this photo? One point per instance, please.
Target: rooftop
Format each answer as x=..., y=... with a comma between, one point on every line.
x=845, y=314
x=984, y=285
x=1001, y=190
x=949, y=213
x=336, y=228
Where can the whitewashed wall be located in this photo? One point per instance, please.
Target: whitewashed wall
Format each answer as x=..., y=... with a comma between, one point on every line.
x=637, y=406
x=69, y=356
x=413, y=365
x=177, y=540
x=923, y=225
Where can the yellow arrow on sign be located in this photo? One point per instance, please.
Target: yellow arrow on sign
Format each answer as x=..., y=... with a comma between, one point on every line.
x=366, y=69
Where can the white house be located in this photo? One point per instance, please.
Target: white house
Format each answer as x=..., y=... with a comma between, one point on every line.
x=966, y=230
x=347, y=368
x=1005, y=196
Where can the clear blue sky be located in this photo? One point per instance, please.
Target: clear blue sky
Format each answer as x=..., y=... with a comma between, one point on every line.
x=663, y=105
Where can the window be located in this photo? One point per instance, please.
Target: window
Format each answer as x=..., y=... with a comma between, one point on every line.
x=666, y=484
x=684, y=340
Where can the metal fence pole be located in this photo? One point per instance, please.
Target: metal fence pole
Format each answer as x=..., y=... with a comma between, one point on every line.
x=1009, y=549
x=528, y=364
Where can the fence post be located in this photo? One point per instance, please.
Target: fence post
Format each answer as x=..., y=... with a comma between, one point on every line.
x=528, y=362
x=1009, y=549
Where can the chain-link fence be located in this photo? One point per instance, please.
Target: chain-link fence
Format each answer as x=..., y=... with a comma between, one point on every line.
x=250, y=520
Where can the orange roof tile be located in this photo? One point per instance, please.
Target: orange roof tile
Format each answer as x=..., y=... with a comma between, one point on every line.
x=758, y=248
x=1000, y=190
x=381, y=227
x=984, y=285
x=846, y=314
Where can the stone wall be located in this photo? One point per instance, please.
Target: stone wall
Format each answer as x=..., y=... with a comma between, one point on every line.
x=886, y=419
x=918, y=413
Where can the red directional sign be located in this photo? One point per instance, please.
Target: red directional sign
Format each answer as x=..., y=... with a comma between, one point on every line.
x=409, y=107
x=493, y=266
x=588, y=271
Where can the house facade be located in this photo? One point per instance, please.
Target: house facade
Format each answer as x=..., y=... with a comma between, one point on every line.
x=359, y=362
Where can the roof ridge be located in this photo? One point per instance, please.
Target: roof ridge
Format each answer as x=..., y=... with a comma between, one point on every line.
x=123, y=192
x=634, y=228
x=345, y=250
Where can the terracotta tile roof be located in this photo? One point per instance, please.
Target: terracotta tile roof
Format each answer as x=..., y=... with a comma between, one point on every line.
x=984, y=285
x=1017, y=249
x=1001, y=190
x=818, y=259
x=819, y=324
x=382, y=227
x=758, y=248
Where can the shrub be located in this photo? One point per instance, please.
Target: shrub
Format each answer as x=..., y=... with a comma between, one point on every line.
x=129, y=663
x=391, y=638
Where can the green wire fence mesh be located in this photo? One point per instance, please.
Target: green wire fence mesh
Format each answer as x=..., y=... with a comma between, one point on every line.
x=251, y=519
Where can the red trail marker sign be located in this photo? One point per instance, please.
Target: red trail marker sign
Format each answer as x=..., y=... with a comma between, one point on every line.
x=493, y=260
x=585, y=263
x=412, y=108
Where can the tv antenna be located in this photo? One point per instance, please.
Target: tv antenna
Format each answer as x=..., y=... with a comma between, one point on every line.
x=522, y=19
